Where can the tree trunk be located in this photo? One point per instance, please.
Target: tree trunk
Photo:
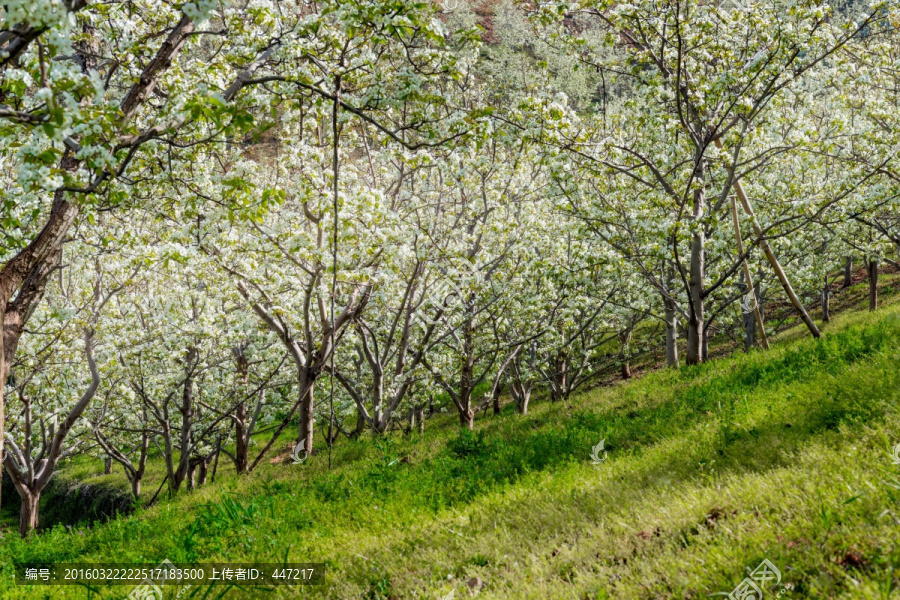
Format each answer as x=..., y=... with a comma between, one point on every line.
x=750, y=301
x=31, y=479
x=23, y=278
x=826, y=293
x=28, y=513
x=29, y=488
x=138, y=474
x=848, y=272
x=466, y=414
x=872, y=268
x=169, y=456
x=216, y=459
x=519, y=389
x=625, y=340
x=378, y=421
x=559, y=378
x=467, y=418
x=242, y=449
x=496, y=400
x=241, y=433
x=307, y=420
x=107, y=465
x=696, y=326
x=522, y=405
x=2, y=385
x=466, y=378
x=671, y=334
x=420, y=417
x=187, y=419
x=749, y=323
x=410, y=420
x=203, y=469
x=360, y=424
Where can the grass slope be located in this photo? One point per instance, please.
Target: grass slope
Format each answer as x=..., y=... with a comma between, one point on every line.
x=782, y=455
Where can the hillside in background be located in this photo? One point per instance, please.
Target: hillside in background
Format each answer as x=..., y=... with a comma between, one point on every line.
x=705, y=472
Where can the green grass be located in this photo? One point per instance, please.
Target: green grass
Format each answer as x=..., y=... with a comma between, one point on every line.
x=782, y=455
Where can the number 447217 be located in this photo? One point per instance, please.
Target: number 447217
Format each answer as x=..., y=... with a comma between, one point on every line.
x=302, y=574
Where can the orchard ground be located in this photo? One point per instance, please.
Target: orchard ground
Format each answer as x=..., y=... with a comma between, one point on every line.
x=782, y=455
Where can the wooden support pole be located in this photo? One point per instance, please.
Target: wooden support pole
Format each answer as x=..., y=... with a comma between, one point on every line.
x=764, y=341
x=770, y=255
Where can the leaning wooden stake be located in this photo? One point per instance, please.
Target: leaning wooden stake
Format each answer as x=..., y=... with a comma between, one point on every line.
x=739, y=189
x=753, y=301
x=764, y=244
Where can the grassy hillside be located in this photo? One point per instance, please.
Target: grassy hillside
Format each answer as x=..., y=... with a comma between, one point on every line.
x=783, y=455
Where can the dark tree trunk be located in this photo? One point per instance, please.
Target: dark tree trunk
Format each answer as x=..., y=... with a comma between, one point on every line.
x=466, y=379
x=466, y=414
x=307, y=420
x=28, y=513
x=198, y=468
x=496, y=400
x=696, y=325
x=826, y=293
x=749, y=323
x=203, y=469
x=23, y=280
x=559, y=378
x=360, y=424
x=187, y=419
x=872, y=268
x=215, y=464
x=694, y=355
x=848, y=272
x=242, y=449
